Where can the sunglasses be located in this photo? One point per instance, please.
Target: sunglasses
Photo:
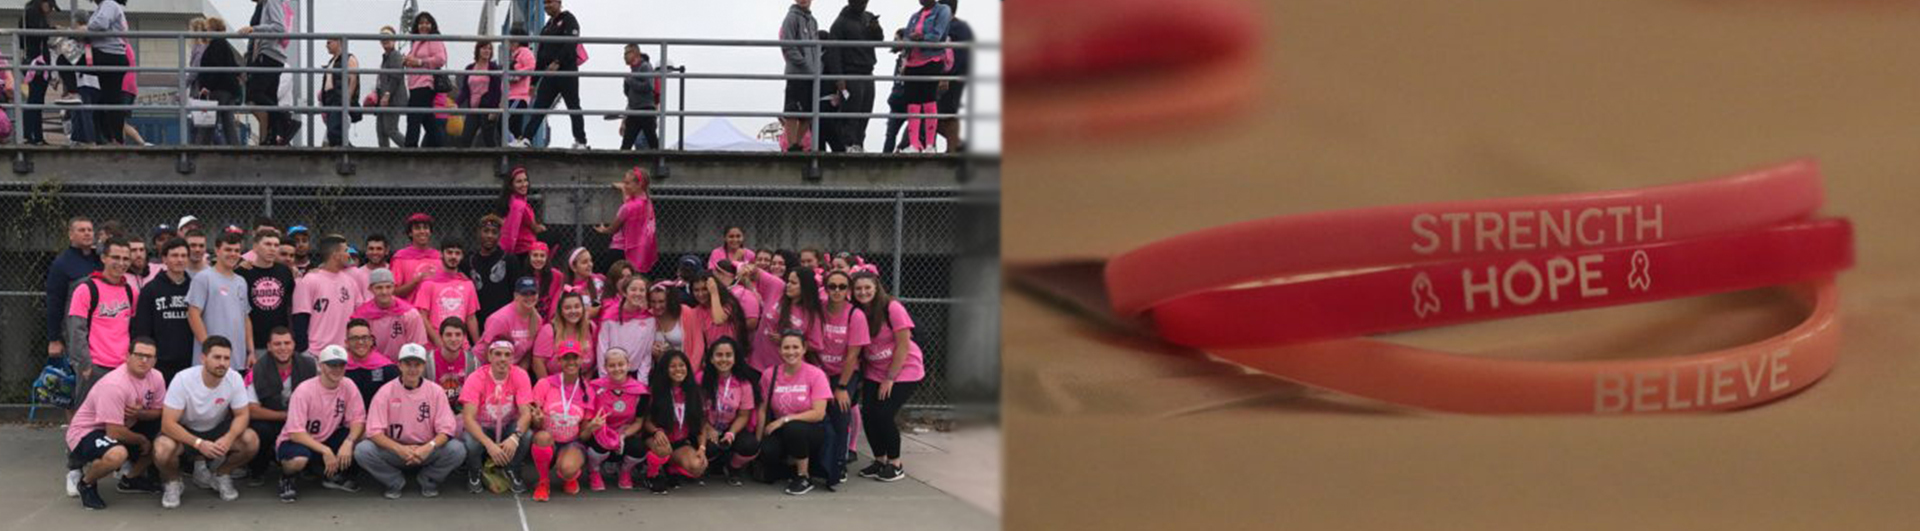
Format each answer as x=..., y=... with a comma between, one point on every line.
x=837, y=287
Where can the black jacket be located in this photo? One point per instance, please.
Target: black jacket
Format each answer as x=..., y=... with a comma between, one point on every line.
x=219, y=54
x=853, y=24
x=566, y=54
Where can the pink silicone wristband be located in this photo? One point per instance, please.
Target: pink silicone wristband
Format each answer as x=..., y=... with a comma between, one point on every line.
x=1432, y=294
x=1722, y=380
x=1345, y=239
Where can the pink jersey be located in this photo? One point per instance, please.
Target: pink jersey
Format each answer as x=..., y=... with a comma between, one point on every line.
x=446, y=294
x=545, y=345
x=516, y=230
x=410, y=261
x=564, y=406
x=498, y=401
x=766, y=340
x=620, y=402
x=392, y=327
x=450, y=367
x=330, y=298
x=843, y=331
x=634, y=233
x=319, y=411
x=411, y=416
x=107, y=334
x=792, y=394
x=731, y=398
x=108, y=401
x=879, y=354
x=506, y=323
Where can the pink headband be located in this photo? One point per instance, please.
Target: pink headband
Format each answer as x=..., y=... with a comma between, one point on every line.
x=575, y=254
x=1722, y=380
x=1340, y=240
x=1480, y=289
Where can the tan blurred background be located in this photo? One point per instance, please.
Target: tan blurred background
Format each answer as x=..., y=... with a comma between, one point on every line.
x=1378, y=102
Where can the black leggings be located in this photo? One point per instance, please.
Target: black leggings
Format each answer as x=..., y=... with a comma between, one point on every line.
x=744, y=445
x=566, y=89
x=883, y=431
x=111, y=124
x=635, y=446
x=795, y=440
x=436, y=130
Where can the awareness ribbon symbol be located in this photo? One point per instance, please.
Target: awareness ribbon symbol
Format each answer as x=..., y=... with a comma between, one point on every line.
x=1639, y=278
x=1425, y=301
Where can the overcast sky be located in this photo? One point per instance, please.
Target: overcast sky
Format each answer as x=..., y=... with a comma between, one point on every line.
x=719, y=19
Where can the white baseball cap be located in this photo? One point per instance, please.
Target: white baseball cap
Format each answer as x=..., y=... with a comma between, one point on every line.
x=413, y=351
x=184, y=220
x=333, y=353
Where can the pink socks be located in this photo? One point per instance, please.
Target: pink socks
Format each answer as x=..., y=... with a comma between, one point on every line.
x=654, y=463
x=914, y=127
x=543, y=461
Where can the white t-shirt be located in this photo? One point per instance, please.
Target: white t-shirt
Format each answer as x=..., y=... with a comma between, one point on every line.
x=203, y=409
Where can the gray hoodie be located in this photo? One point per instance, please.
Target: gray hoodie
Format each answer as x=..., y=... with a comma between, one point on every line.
x=800, y=26
x=272, y=19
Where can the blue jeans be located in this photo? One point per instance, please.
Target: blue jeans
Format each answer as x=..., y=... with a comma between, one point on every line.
x=80, y=125
x=832, y=456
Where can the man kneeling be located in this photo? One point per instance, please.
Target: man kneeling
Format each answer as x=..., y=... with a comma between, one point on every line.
x=412, y=423
x=324, y=419
x=205, y=418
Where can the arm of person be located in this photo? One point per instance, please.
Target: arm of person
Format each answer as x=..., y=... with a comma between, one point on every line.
x=761, y=413
x=119, y=432
x=472, y=424
x=353, y=80
x=257, y=411
x=196, y=322
x=300, y=323
x=238, y=426
x=170, y=427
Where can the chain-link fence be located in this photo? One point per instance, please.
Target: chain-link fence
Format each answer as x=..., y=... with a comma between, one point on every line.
x=909, y=233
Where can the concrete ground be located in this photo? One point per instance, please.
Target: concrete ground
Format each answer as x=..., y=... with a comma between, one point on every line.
x=953, y=484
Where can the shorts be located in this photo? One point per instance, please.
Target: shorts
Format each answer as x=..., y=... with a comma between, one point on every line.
x=188, y=453
x=950, y=101
x=93, y=446
x=263, y=88
x=800, y=95
x=290, y=450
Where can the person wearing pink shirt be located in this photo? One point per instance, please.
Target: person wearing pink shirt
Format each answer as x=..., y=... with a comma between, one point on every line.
x=412, y=424
x=716, y=311
x=617, y=273
x=627, y=326
x=730, y=394
x=325, y=298
x=633, y=227
x=495, y=411
x=366, y=368
x=581, y=279
x=428, y=55
x=448, y=294
x=106, y=430
x=99, y=319
x=725, y=274
x=569, y=325
x=560, y=410
x=325, y=418
x=417, y=261
x=393, y=321
x=451, y=356
x=516, y=323
x=674, y=325
x=733, y=248
x=611, y=428
x=894, y=368
x=519, y=228
x=520, y=88
x=552, y=281
x=376, y=256
x=844, y=334
x=796, y=309
x=674, y=424
x=796, y=394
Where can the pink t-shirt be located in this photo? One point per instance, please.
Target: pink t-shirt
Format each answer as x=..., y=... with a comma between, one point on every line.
x=521, y=88
x=749, y=301
x=792, y=394
x=545, y=345
x=107, y=335
x=392, y=327
x=446, y=294
x=450, y=368
x=516, y=230
x=730, y=398
x=679, y=431
x=506, y=323
x=720, y=253
x=410, y=261
x=620, y=402
x=879, y=354
x=842, y=331
x=565, y=407
x=107, y=402
x=498, y=401
x=433, y=54
x=319, y=411
x=635, y=232
x=331, y=298
x=766, y=340
x=411, y=416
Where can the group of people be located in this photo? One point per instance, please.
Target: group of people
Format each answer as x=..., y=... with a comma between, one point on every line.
x=265, y=349
x=486, y=80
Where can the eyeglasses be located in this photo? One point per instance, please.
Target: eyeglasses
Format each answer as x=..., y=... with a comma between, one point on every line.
x=359, y=338
x=837, y=287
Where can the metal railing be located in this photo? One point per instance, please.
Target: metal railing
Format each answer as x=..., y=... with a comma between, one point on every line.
x=504, y=112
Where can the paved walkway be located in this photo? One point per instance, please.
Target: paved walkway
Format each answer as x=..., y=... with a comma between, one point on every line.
x=31, y=460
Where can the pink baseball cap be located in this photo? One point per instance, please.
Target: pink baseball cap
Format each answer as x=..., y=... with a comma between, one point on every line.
x=566, y=348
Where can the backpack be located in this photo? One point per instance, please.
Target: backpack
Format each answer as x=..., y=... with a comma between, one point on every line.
x=93, y=298
x=54, y=386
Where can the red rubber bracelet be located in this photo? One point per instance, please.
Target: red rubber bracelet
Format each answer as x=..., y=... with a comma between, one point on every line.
x=1721, y=380
x=1348, y=239
x=1430, y=294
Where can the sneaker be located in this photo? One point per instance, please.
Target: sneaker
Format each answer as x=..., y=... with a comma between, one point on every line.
x=658, y=484
x=202, y=477
x=429, y=490
x=73, y=483
x=799, y=485
x=393, y=493
x=256, y=479
x=572, y=486
x=240, y=473
x=90, y=496
x=595, y=482
x=170, y=498
x=521, y=143
x=224, y=485
x=581, y=146
x=856, y=148
x=287, y=492
x=513, y=478
x=626, y=478
x=872, y=470
x=474, y=484
x=542, y=491
x=892, y=473
x=732, y=475
x=138, y=485
x=340, y=484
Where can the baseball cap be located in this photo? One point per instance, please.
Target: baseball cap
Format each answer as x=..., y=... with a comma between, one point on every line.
x=567, y=348
x=186, y=220
x=296, y=229
x=163, y=229
x=380, y=276
x=690, y=261
x=419, y=217
x=333, y=354
x=233, y=229
x=526, y=286
x=413, y=351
